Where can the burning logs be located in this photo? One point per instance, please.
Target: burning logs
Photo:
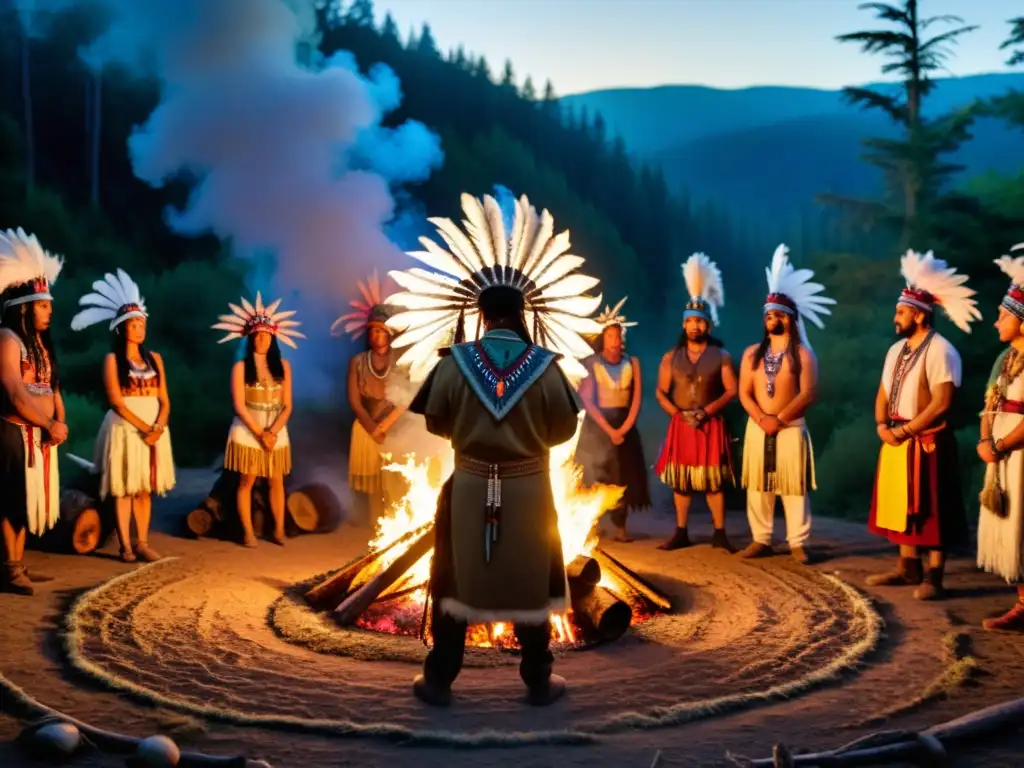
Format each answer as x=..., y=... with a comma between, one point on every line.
x=584, y=570
x=362, y=598
x=330, y=593
x=601, y=614
x=617, y=570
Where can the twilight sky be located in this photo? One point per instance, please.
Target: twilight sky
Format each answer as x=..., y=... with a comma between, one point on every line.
x=584, y=45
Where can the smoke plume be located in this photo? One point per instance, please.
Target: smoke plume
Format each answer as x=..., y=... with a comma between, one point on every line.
x=285, y=151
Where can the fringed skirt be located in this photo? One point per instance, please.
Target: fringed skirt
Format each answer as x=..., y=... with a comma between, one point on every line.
x=247, y=456
x=364, y=464
x=126, y=464
x=782, y=463
x=1001, y=537
x=29, y=481
x=619, y=465
x=696, y=459
x=928, y=509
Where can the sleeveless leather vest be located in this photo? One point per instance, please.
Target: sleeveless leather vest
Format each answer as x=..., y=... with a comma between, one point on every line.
x=694, y=385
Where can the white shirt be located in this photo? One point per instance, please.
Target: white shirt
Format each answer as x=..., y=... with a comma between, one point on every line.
x=942, y=363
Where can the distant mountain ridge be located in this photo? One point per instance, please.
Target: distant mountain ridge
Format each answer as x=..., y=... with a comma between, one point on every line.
x=768, y=150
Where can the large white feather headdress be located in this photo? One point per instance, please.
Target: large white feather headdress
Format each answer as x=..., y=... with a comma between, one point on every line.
x=23, y=262
x=932, y=281
x=704, y=284
x=530, y=259
x=792, y=290
x=116, y=298
x=1013, y=267
x=613, y=316
x=248, y=319
x=370, y=308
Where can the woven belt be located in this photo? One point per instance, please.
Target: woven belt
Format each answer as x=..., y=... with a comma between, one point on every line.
x=502, y=469
x=495, y=473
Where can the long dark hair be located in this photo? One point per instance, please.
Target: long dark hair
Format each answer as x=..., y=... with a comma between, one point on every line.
x=503, y=307
x=793, y=349
x=274, y=364
x=21, y=319
x=120, y=345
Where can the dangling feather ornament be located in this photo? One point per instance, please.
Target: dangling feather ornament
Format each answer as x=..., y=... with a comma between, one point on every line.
x=704, y=283
x=530, y=259
x=932, y=276
x=250, y=318
x=796, y=284
x=115, y=298
x=22, y=261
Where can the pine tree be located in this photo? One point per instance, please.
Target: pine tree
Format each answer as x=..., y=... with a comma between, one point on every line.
x=913, y=164
x=529, y=92
x=427, y=45
x=481, y=69
x=508, y=76
x=389, y=30
x=1016, y=38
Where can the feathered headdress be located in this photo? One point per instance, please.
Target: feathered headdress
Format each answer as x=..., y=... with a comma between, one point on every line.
x=26, y=270
x=249, y=319
x=1013, y=267
x=370, y=309
x=704, y=284
x=612, y=317
x=529, y=259
x=116, y=299
x=931, y=281
x=790, y=290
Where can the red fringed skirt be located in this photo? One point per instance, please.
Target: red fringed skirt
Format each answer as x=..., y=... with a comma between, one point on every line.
x=696, y=459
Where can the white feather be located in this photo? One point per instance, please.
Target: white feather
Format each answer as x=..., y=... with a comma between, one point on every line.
x=924, y=272
x=23, y=259
x=796, y=284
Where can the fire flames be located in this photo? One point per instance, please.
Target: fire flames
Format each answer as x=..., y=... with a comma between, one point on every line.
x=400, y=607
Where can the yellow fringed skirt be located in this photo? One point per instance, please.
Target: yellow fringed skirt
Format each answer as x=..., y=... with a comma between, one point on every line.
x=244, y=453
x=364, y=464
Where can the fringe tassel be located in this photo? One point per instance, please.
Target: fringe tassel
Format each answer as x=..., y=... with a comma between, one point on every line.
x=258, y=462
x=794, y=465
x=1000, y=526
x=685, y=479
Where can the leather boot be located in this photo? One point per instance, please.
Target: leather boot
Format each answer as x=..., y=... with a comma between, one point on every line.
x=14, y=580
x=719, y=540
x=1011, y=621
x=931, y=588
x=908, y=573
x=680, y=539
x=431, y=693
x=548, y=692
x=756, y=549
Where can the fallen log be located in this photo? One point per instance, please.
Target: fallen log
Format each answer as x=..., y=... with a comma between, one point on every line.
x=329, y=593
x=601, y=614
x=362, y=598
x=79, y=528
x=313, y=508
x=612, y=567
x=891, y=746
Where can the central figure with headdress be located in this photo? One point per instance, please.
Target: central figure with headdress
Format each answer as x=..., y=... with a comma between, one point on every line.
x=501, y=395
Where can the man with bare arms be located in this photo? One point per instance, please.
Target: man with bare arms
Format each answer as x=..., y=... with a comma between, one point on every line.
x=917, y=504
x=696, y=381
x=31, y=408
x=778, y=380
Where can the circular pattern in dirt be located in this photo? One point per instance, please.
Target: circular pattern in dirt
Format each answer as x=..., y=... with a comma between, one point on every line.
x=226, y=645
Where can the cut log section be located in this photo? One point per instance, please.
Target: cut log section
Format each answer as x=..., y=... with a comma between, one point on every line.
x=79, y=528
x=363, y=597
x=313, y=508
x=217, y=515
x=585, y=570
x=602, y=614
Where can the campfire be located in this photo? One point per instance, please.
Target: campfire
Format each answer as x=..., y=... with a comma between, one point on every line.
x=385, y=589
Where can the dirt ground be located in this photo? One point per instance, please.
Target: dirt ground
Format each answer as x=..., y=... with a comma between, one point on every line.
x=186, y=647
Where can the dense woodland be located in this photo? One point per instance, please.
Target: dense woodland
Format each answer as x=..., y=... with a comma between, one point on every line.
x=65, y=175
